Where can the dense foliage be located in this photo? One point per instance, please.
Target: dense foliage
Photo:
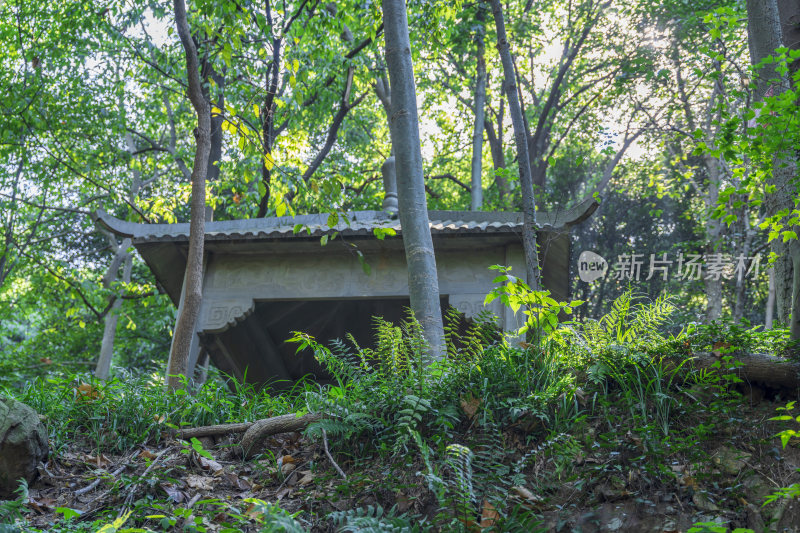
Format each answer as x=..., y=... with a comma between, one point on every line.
x=680, y=118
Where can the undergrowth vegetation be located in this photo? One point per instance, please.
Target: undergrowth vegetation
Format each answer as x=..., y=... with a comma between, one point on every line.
x=479, y=441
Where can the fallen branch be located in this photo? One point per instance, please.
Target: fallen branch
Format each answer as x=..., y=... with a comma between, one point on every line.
x=91, y=486
x=272, y=426
x=208, y=431
x=135, y=484
x=756, y=368
x=330, y=457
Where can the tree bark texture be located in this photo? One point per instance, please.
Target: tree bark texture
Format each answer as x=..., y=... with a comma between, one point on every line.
x=177, y=365
x=262, y=429
x=714, y=230
x=215, y=151
x=757, y=368
x=521, y=141
x=121, y=258
x=268, y=114
x=744, y=248
x=423, y=283
x=765, y=35
x=476, y=195
x=103, y=368
x=498, y=158
x=789, y=13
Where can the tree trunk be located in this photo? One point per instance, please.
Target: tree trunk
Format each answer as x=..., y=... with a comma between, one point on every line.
x=789, y=12
x=498, y=158
x=272, y=78
x=755, y=368
x=769, y=315
x=480, y=100
x=121, y=257
x=744, y=250
x=423, y=283
x=177, y=365
x=103, y=368
x=215, y=151
x=521, y=141
x=794, y=324
x=714, y=232
x=765, y=35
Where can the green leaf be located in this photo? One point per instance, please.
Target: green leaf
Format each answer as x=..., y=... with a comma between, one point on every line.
x=68, y=513
x=269, y=162
x=381, y=233
x=364, y=265
x=197, y=446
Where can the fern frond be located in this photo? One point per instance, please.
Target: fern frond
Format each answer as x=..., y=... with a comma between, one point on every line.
x=373, y=520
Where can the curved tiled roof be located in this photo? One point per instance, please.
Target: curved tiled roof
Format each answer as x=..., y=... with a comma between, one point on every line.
x=349, y=224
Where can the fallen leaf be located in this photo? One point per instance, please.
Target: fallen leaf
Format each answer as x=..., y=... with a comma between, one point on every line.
x=402, y=502
x=720, y=348
x=200, y=482
x=526, y=494
x=175, y=494
x=307, y=478
x=254, y=511
x=689, y=481
x=209, y=464
x=489, y=515
x=147, y=454
x=470, y=404
x=236, y=481
x=86, y=392
x=101, y=461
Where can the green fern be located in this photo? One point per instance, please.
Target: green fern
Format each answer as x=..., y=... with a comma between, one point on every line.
x=11, y=510
x=373, y=519
x=630, y=325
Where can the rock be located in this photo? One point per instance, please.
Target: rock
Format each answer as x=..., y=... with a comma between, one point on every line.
x=754, y=519
x=703, y=502
x=23, y=444
x=731, y=461
x=756, y=488
x=789, y=516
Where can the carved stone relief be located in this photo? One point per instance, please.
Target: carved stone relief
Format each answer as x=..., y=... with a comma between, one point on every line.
x=219, y=315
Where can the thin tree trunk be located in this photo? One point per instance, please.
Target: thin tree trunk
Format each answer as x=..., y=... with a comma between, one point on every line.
x=714, y=231
x=177, y=365
x=521, y=141
x=789, y=12
x=215, y=152
x=769, y=315
x=794, y=324
x=103, y=368
x=423, y=283
x=498, y=158
x=765, y=35
x=268, y=115
x=740, y=291
x=480, y=100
